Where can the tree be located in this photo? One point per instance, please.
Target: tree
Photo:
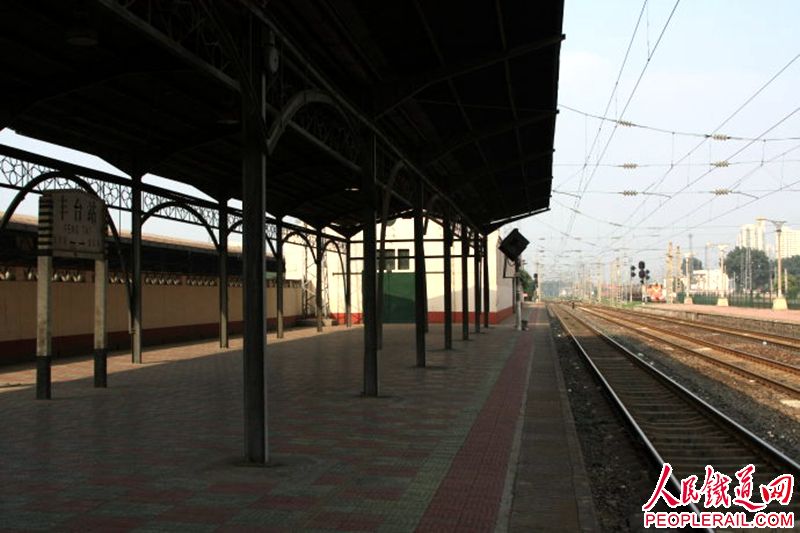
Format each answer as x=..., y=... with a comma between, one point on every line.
x=696, y=264
x=792, y=267
x=736, y=264
x=527, y=281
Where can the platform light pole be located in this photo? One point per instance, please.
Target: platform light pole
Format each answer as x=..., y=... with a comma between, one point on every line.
x=779, y=303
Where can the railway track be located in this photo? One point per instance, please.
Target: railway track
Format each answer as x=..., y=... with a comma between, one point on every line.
x=674, y=425
x=780, y=376
x=756, y=336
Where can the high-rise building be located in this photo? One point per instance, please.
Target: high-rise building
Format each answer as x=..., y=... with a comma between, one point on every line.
x=790, y=242
x=752, y=236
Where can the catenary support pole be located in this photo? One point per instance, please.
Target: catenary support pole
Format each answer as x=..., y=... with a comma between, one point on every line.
x=369, y=281
x=223, y=273
x=136, y=253
x=419, y=275
x=486, y=291
x=100, y=336
x=448, y=284
x=464, y=282
x=253, y=259
x=279, y=275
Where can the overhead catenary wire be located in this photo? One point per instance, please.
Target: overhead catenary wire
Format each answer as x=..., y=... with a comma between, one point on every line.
x=733, y=209
x=713, y=168
x=714, y=136
x=720, y=163
x=588, y=154
x=625, y=107
x=715, y=192
x=730, y=117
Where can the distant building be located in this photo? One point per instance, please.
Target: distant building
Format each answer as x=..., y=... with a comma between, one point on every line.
x=790, y=242
x=398, y=287
x=752, y=236
x=703, y=280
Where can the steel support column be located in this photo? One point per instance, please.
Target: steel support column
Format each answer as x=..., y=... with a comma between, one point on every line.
x=486, y=291
x=100, y=306
x=136, y=256
x=464, y=282
x=477, y=276
x=223, y=273
x=279, y=276
x=253, y=257
x=348, y=286
x=44, y=315
x=318, y=298
x=368, y=283
x=382, y=266
x=419, y=275
x=448, y=285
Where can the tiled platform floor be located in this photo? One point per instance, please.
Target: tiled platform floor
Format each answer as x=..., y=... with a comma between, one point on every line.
x=161, y=448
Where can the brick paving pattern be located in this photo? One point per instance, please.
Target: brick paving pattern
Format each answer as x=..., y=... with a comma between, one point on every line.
x=551, y=487
x=161, y=448
x=469, y=497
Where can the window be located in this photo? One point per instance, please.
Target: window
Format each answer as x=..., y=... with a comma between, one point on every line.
x=403, y=262
x=395, y=259
x=389, y=264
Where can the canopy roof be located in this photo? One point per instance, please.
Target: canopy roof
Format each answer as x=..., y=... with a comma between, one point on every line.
x=463, y=94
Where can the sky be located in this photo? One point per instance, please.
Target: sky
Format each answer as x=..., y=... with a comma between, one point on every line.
x=692, y=69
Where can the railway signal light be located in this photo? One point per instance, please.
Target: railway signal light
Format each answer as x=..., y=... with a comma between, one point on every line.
x=633, y=271
x=642, y=272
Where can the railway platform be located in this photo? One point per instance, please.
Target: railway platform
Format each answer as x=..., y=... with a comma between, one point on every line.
x=790, y=316
x=445, y=447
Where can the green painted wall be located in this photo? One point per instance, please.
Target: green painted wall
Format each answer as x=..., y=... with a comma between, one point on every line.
x=398, y=298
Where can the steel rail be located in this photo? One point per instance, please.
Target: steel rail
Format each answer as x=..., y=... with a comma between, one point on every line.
x=760, y=359
x=789, y=389
x=638, y=381
x=781, y=340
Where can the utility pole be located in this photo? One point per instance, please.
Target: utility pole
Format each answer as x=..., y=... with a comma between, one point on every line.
x=689, y=273
x=779, y=303
x=748, y=283
x=630, y=284
x=723, y=297
x=668, y=288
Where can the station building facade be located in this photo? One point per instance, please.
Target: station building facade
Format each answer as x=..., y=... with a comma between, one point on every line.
x=181, y=294
x=398, y=285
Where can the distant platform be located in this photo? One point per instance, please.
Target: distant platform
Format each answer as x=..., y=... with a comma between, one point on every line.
x=788, y=316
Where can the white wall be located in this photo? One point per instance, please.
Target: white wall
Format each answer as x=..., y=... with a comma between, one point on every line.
x=500, y=289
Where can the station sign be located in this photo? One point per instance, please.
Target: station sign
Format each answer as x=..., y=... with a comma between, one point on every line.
x=71, y=224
